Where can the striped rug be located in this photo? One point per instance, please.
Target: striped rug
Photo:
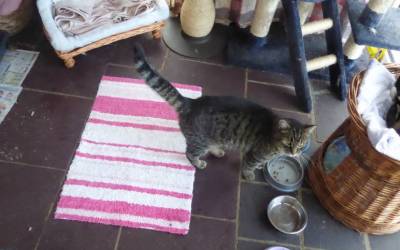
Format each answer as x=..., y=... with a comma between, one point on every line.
x=130, y=168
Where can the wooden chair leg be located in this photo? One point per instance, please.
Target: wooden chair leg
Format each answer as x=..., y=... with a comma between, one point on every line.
x=156, y=33
x=69, y=62
x=68, y=59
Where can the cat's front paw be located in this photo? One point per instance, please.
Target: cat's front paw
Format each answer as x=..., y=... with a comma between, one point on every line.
x=248, y=175
x=201, y=164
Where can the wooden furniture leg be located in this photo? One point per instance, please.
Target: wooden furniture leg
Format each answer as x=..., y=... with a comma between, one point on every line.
x=69, y=62
x=68, y=59
x=156, y=33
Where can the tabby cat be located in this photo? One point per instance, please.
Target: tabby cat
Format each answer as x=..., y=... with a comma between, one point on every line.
x=393, y=115
x=213, y=124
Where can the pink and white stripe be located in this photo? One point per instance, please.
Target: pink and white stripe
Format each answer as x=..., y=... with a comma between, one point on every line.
x=130, y=168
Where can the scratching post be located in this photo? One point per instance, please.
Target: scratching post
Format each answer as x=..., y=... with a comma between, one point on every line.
x=275, y=56
x=197, y=17
x=263, y=16
x=374, y=12
x=352, y=50
x=370, y=17
x=316, y=26
x=373, y=24
x=194, y=34
x=305, y=9
x=321, y=62
x=246, y=47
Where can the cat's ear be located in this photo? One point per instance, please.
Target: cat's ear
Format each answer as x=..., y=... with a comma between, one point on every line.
x=309, y=129
x=283, y=124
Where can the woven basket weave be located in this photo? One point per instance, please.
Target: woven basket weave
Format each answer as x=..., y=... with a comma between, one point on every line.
x=363, y=192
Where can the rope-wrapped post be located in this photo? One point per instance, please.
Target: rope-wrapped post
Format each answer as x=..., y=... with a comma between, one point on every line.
x=321, y=62
x=197, y=17
x=316, y=26
x=305, y=9
x=261, y=23
x=352, y=50
x=374, y=12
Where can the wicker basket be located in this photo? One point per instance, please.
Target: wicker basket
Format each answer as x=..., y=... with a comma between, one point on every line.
x=363, y=192
x=17, y=20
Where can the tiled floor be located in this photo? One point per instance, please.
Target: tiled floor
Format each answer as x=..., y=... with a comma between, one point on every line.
x=39, y=136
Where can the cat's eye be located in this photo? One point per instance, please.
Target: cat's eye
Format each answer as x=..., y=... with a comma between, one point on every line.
x=301, y=145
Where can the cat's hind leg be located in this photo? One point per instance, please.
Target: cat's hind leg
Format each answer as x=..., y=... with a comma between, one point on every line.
x=194, y=151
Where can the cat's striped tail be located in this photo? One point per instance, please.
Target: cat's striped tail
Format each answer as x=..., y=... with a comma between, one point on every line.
x=163, y=87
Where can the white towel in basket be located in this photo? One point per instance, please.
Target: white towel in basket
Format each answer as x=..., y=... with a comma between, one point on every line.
x=374, y=100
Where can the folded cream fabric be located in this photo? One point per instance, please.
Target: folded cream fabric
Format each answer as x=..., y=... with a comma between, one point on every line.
x=76, y=5
x=75, y=17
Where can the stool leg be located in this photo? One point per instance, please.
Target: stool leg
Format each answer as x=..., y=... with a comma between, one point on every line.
x=156, y=33
x=68, y=59
x=334, y=46
x=69, y=62
x=297, y=53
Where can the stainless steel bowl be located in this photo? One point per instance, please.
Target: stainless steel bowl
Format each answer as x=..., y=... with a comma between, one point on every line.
x=287, y=214
x=284, y=173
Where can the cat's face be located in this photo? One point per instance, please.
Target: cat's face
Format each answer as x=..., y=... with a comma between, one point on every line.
x=293, y=136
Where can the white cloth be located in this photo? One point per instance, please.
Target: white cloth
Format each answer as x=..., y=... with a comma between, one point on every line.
x=64, y=43
x=374, y=101
x=75, y=17
x=84, y=6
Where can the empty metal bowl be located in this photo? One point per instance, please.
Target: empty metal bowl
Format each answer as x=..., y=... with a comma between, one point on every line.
x=287, y=214
x=284, y=173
